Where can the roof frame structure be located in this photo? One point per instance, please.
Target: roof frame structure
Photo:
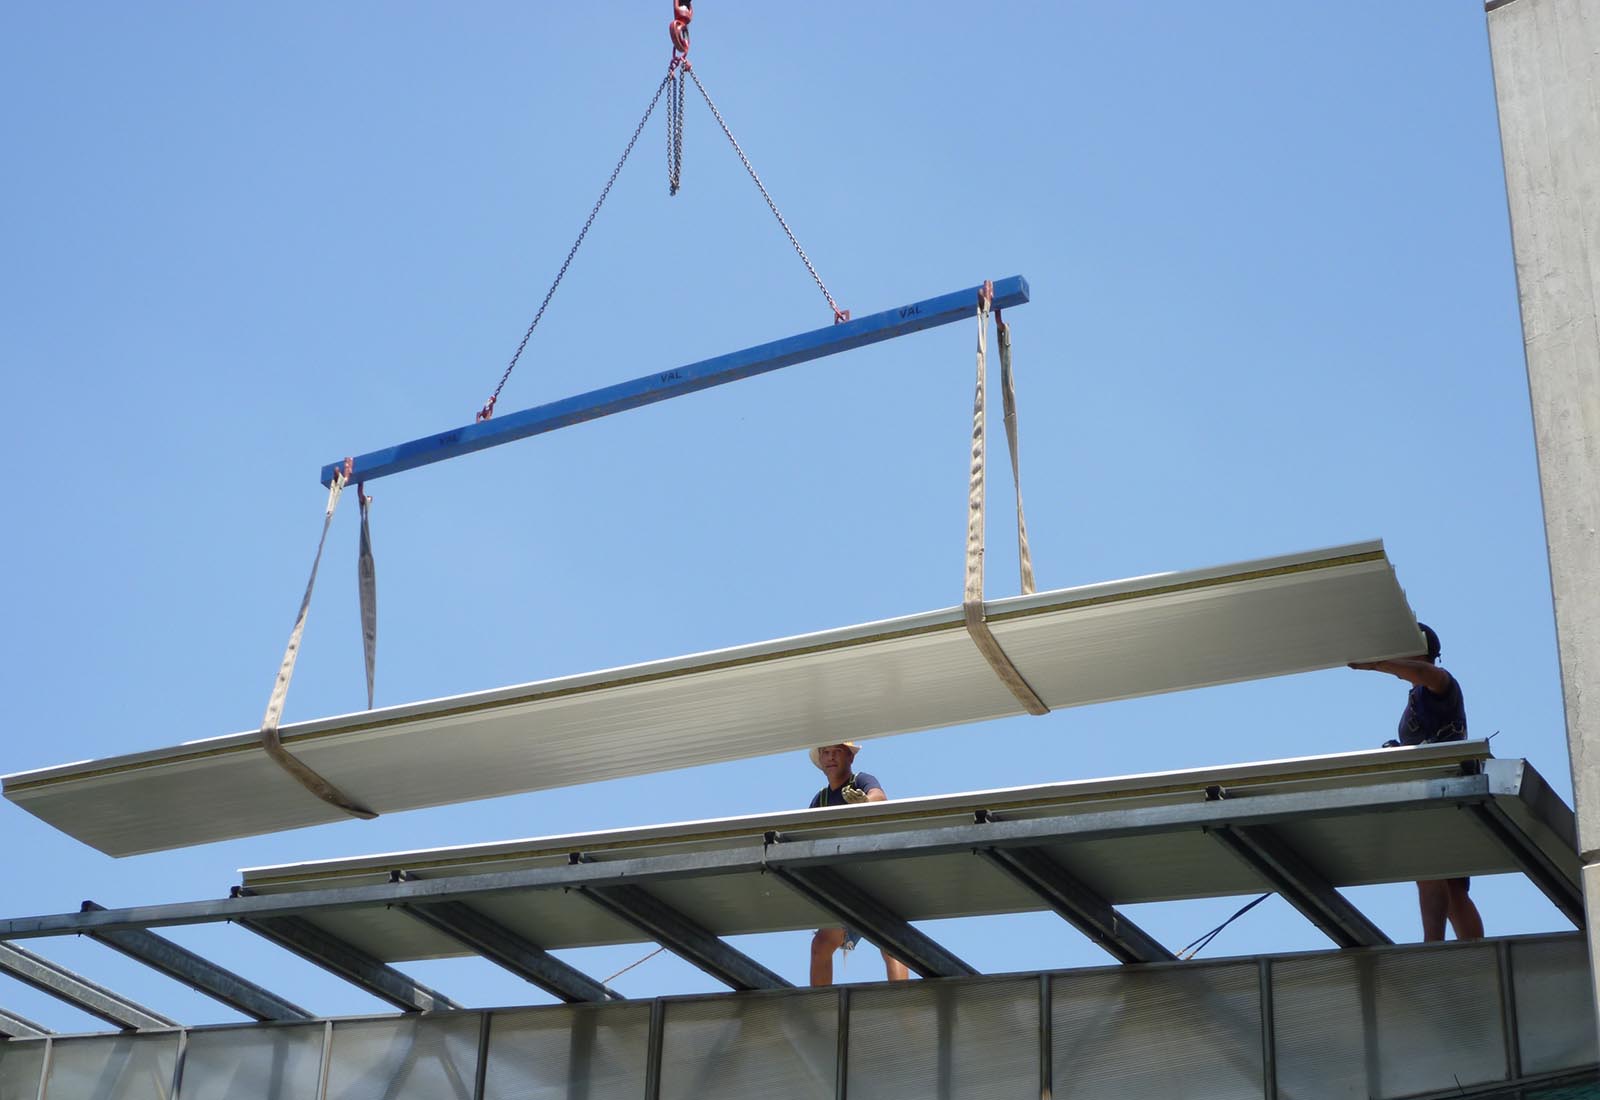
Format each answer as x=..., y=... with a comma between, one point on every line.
x=1564, y=894
x=296, y=934
x=1300, y=885
x=683, y=937
x=13, y=1026
x=201, y=974
x=80, y=992
x=859, y=909
x=506, y=949
x=1062, y=846
x=1410, y=782
x=803, y=347
x=1078, y=905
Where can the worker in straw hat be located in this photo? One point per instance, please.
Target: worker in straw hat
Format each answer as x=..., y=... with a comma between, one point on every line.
x=846, y=786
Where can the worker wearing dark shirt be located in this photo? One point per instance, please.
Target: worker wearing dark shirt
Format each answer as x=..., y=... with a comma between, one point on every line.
x=845, y=787
x=1435, y=713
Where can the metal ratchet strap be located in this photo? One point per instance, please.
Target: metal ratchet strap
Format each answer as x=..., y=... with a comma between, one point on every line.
x=972, y=602
x=270, y=740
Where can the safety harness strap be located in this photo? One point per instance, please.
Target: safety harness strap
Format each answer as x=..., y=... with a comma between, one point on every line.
x=972, y=602
x=270, y=740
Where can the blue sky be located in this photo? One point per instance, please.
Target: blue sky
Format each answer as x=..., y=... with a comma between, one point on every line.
x=1274, y=309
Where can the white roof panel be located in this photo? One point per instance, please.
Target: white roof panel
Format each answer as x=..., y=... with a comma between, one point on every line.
x=1115, y=640
x=1379, y=815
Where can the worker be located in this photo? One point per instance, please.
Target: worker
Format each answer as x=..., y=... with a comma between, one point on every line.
x=1435, y=712
x=845, y=787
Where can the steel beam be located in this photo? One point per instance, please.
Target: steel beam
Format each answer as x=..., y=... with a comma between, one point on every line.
x=13, y=1026
x=683, y=937
x=96, y=1000
x=855, y=907
x=900, y=321
x=504, y=947
x=1565, y=894
x=1301, y=886
x=754, y=858
x=1080, y=906
x=198, y=973
x=352, y=964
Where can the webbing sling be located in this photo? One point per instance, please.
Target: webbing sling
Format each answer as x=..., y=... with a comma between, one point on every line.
x=367, y=583
x=270, y=740
x=1008, y=396
x=972, y=603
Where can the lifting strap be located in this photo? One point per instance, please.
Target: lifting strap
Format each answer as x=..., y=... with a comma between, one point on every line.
x=972, y=602
x=1008, y=395
x=367, y=583
x=270, y=740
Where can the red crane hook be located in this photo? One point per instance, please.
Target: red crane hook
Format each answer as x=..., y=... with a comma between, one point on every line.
x=682, y=12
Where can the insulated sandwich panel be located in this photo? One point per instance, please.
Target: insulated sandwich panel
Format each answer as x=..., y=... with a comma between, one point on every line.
x=1356, y=818
x=1075, y=646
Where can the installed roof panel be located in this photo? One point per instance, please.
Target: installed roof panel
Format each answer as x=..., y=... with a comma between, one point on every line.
x=1115, y=640
x=1356, y=818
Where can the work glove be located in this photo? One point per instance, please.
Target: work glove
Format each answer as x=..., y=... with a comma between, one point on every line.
x=854, y=795
x=1392, y=744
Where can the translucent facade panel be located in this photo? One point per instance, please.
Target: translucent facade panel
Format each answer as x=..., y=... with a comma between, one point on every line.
x=21, y=1062
x=1589, y=1090
x=1194, y=1033
x=262, y=1063
x=732, y=1048
x=407, y=1058
x=1388, y=1023
x=112, y=1067
x=1555, y=1004
x=930, y=1039
x=593, y=1052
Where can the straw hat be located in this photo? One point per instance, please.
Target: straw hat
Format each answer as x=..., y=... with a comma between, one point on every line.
x=816, y=753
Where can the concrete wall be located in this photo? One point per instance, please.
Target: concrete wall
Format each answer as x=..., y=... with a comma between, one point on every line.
x=1547, y=81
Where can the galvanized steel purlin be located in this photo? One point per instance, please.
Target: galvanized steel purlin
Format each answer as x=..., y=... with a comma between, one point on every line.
x=803, y=347
x=20, y=1027
x=1288, y=873
x=181, y=964
x=754, y=855
x=63, y=984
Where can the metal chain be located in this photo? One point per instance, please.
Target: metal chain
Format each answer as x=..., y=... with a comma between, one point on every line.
x=675, y=130
x=488, y=408
x=838, y=314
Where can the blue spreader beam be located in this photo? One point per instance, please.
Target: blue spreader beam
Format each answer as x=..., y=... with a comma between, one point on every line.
x=913, y=317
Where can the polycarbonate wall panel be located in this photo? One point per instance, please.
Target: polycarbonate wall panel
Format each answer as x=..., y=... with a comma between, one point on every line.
x=1388, y=1023
x=112, y=1067
x=407, y=1058
x=733, y=1048
x=21, y=1062
x=594, y=1052
x=261, y=1063
x=925, y=1040
x=1168, y=1032
x=1587, y=1091
x=1555, y=1004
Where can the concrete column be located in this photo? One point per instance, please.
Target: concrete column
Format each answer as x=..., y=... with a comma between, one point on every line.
x=1547, y=82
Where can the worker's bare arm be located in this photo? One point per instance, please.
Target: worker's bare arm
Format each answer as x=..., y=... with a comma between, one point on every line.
x=1429, y=675
x=876, y=795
